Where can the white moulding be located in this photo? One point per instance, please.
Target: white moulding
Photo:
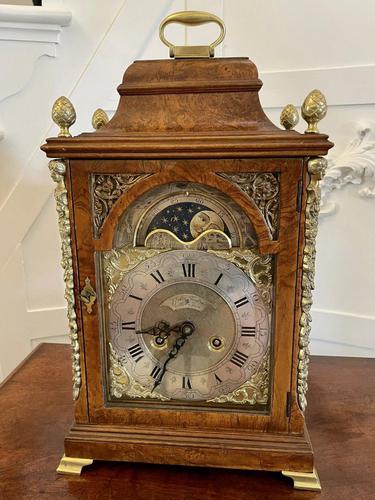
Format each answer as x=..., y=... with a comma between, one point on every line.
x=28, y=33
x=33, y=24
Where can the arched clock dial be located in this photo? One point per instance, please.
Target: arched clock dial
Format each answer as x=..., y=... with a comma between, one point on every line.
x=189, y=324
x=186, y=210
x=188, y=215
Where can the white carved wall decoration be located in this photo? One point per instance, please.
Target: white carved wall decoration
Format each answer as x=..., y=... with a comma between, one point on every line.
x=354, y=165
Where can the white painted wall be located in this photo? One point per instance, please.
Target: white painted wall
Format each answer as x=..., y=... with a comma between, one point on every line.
x=297, y=45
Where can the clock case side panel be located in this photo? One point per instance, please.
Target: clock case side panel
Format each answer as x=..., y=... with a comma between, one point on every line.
x=86, y=246
x=81, y=411
x=285, y=279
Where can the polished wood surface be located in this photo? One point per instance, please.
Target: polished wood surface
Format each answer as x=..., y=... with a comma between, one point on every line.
x=37, y=411
x=160, y=116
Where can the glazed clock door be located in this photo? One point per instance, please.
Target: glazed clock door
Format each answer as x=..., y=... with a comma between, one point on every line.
x=190, y=317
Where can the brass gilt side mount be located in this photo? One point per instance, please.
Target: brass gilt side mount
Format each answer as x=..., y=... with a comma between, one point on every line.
x=316, y=168
x=58, y=169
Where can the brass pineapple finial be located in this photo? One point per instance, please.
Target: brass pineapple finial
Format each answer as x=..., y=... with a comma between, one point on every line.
x=314, y=109
x=64, y=115
x=99, y=119
x=289, y=117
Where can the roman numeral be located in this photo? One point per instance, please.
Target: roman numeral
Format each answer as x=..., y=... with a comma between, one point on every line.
x=241, y=302
x=157, y=277
x=155, y=372
x=189, y=270
x=218, y=379
x=136, y=352
x=239, y=359
x=219, y=278
x=248, y=331
x=128, y=325
x=134, y=297
x=186, y=383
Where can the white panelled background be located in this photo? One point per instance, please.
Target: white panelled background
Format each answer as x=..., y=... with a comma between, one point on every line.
x=81, y=49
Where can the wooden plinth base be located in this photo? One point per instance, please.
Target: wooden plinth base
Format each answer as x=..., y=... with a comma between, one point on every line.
x=301, y=480
x=239, y=450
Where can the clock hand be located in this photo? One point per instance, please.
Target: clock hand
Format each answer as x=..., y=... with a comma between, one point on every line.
x=186, y=328
x=160, y=329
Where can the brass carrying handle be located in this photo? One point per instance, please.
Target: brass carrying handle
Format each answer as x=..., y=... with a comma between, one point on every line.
x=192, y=18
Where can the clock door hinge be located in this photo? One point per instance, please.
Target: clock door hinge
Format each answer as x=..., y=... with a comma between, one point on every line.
x=288, y=403
x=299, y=197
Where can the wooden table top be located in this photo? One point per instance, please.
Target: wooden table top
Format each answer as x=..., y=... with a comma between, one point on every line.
x=36, y=412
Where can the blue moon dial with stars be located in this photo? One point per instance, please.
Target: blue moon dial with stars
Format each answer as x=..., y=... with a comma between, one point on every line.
x=187, y=220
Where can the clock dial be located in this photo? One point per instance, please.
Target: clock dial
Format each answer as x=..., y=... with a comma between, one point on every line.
x=189, y=325
x=187, y=216
x=186, y=210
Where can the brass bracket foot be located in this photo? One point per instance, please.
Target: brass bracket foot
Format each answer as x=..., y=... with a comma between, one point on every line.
x=72, y=465
x=304, y=480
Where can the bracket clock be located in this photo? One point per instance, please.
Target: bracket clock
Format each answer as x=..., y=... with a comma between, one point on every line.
x=188, y=225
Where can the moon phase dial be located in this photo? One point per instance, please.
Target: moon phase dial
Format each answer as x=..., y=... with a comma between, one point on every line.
x=161, y=297
x=186, y=211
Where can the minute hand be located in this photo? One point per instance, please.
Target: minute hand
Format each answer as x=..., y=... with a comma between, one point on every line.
x=186, y=330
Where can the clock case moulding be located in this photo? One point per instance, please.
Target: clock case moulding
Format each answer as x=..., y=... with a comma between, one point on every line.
x=190, y=120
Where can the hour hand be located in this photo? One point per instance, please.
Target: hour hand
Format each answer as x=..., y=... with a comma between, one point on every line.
x=185, y=329
x=160, y=329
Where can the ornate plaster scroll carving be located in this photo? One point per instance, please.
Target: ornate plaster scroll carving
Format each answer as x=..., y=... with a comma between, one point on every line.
x=263, y=189
x=354, y=165
x=316, y=168
x=106, y=189
x=57, y=169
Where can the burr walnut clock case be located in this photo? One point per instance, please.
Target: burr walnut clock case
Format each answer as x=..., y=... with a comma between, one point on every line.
x=188, y=225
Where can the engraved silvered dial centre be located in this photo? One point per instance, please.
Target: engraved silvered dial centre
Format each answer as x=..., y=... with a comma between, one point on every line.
x=202, y=306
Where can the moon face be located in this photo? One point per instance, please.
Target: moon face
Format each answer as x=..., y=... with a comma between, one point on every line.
x=204, y=220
